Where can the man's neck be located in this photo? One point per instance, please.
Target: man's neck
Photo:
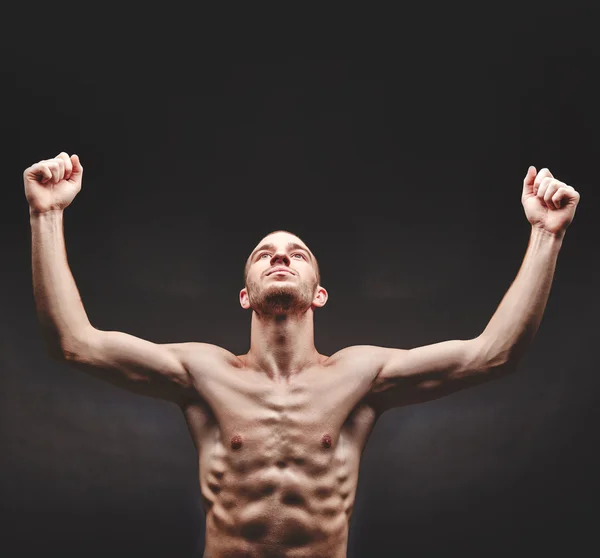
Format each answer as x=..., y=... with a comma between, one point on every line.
x=282, y=346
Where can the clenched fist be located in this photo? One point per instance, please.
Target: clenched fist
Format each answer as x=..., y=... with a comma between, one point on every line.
x=549, y=203
x=52, y=184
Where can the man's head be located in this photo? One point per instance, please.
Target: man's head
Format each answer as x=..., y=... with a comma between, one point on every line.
x=282, y=277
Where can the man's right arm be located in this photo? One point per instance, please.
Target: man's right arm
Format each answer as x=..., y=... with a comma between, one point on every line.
x=156, y=370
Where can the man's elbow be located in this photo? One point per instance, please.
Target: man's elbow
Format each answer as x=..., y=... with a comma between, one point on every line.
x=56, y=352
x=493, y=360
x=498, y=370
x=65, y=351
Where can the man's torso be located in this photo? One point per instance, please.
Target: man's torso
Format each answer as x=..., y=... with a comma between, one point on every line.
x=279, y=461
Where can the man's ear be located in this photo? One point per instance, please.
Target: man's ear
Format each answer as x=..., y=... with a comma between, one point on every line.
x=320, y=298
x=244, y=300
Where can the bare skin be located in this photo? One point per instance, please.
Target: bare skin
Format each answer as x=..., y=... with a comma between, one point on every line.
x=280, y=430
x=278, y=459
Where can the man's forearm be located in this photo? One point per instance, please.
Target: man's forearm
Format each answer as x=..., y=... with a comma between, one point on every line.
x=515, y=323
x=59, y=308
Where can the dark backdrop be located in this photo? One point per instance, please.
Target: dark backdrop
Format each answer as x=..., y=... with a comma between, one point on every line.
x=395, y=145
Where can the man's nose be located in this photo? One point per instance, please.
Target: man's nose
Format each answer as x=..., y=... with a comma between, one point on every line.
x=280, y=257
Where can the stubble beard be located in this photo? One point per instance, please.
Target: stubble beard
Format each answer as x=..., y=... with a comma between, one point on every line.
x=280, y=300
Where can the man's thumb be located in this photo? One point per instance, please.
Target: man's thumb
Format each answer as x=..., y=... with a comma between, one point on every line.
x=529, y=180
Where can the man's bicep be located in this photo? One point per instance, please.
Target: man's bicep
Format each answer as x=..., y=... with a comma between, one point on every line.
x=431, y=371
x=138, y=365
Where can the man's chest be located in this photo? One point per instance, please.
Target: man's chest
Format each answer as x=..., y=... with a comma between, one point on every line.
x=300, y=420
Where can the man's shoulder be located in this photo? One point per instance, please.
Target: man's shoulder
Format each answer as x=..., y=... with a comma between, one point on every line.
x=362, y=356
x=195, y=352
x=357, y=351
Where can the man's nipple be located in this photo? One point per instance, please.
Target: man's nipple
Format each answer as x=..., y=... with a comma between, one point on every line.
x=326, y=441
x=236, y=442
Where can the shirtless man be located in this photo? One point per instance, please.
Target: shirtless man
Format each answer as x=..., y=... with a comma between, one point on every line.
x=280, y=430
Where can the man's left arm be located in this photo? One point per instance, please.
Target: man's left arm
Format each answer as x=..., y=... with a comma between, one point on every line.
x=432, y=371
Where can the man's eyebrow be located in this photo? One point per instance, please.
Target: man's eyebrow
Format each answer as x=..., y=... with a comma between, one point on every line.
x=290, y=245
x=263, y=247
x=295, y=246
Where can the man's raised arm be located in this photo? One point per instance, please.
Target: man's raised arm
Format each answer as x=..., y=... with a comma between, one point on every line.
x=429, y=372
x=124, y=360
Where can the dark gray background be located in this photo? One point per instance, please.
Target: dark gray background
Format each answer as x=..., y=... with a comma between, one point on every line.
x=395, y=145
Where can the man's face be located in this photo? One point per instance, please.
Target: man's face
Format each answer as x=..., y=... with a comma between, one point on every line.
x=281, y=277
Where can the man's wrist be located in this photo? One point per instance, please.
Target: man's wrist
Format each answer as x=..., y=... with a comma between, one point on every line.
x=543, y=235
x=51, y=213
